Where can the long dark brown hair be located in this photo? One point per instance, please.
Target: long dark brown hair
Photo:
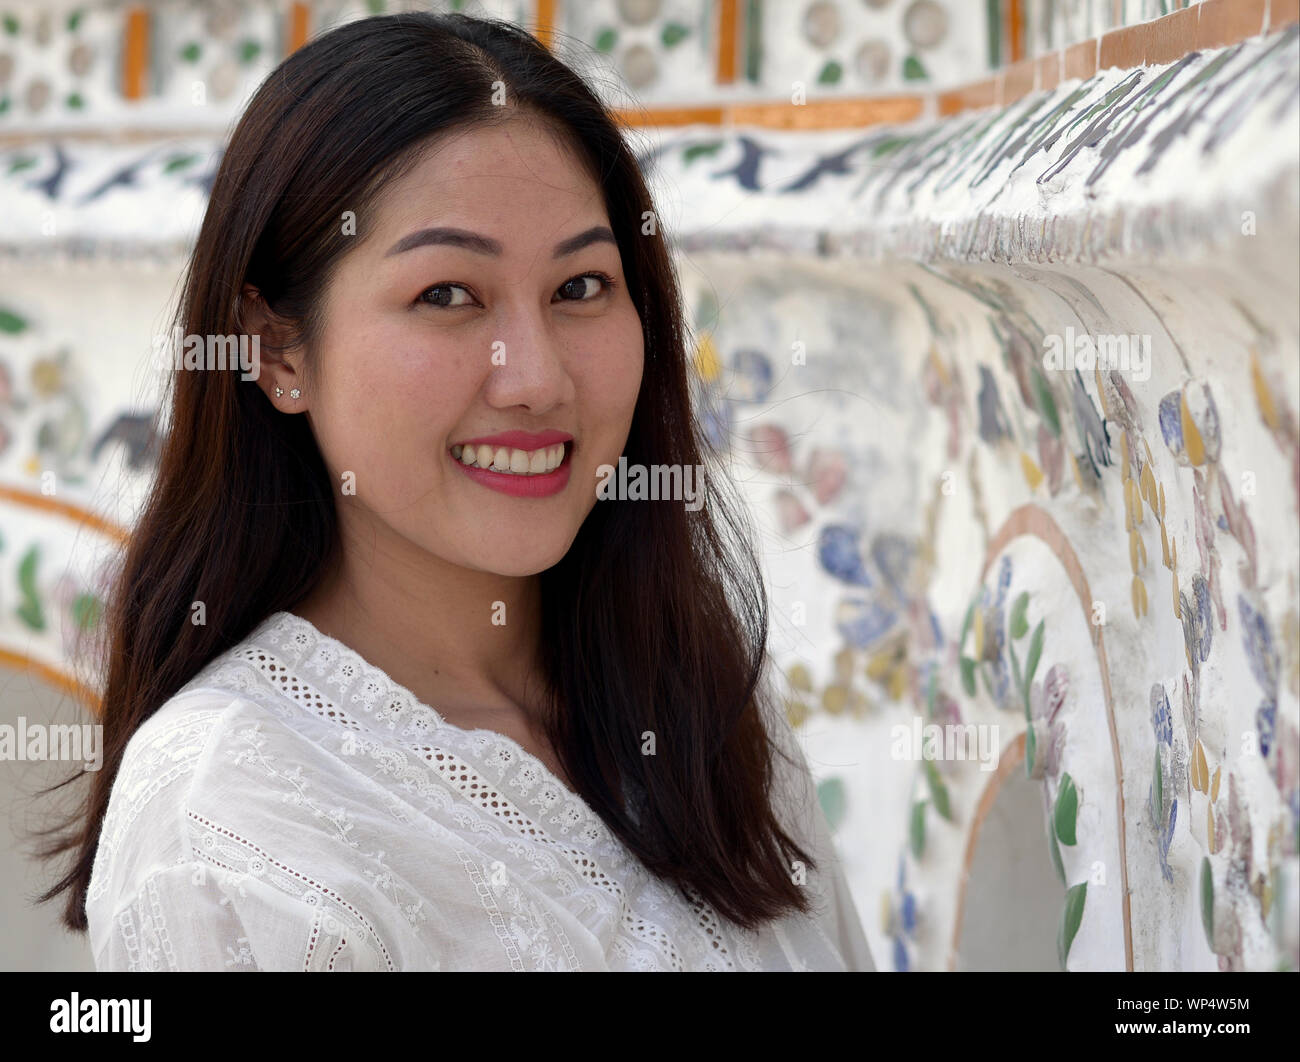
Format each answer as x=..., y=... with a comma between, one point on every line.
x=656, y=618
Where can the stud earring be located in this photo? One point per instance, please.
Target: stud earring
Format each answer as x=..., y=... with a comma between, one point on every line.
x=295, y=393
x=279, y=392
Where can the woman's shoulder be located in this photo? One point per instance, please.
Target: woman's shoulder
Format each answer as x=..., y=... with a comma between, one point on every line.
x=175, y=762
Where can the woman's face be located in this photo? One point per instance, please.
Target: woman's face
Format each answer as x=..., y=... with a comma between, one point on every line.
x=475, y=367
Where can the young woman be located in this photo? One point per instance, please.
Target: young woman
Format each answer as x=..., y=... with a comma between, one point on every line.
x=388, y=686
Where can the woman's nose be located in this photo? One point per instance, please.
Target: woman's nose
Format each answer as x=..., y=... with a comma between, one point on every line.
x=528, y=364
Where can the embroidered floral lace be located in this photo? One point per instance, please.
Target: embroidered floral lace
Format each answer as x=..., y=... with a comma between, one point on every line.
x=292, y=808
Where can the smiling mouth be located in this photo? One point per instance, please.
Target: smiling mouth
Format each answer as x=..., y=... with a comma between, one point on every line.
x=511, y=461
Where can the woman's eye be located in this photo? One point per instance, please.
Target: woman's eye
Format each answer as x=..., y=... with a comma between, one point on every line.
x=584, y=288
x=576, y=289
x=442, y=294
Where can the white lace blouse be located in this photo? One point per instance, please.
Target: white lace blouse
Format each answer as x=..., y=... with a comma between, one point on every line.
x=292, y=808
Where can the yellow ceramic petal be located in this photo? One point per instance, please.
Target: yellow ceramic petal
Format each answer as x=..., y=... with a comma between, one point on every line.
x=1201, y=773
x=979, y=633
x=835, y=699
x=1267, y=407
x=799, y=678
x=1142, y=548
x=1193, y=445
x=844, y=665
x=1162, y=502
x=1214, y=785
x=1178, y=608
x=878, y=665
x=1126, y=465
x=858, y=705
x=1149, y=490
x=898, y=684
x=939, y=368
x=707, y=363
x=796, y=711
x=1164, y=547
x=1033, y=474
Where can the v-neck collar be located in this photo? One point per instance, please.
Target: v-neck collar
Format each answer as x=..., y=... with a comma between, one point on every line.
x=344, y=678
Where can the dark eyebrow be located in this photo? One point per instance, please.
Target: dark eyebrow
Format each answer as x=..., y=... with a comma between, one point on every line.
x=472, y=241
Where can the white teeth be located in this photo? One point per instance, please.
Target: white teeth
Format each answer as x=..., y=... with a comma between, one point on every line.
x=508, y=459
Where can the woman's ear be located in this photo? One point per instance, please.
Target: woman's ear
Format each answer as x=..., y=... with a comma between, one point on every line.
x=279, y=371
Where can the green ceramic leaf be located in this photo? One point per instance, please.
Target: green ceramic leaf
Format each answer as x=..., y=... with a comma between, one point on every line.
x=11, y=323
x=249, y=50
x=1070, y=919
x=968, y=675
x=191, y=52
x=376, y=7
x=1067, y=810
x=606, y=39
x=970, y=615
x=1019, y=625
x=1207, y=901
x=179, y=162
x=1031, y=664
x=75, y=101
x=695, y=151
x=831, y=795
x=30, y=611
x=1031, y=746
x=938, y=791
x=913, y=70
x=11, y=25
x=917, y=831
x=1046, y=403
x=1015, y=674
x=673, y=33
x=86, y=611
x=1035, y=651
x=74, y=20
x=22, y=162
x=830, y=73
x=1158, y=783
x=1056, y=856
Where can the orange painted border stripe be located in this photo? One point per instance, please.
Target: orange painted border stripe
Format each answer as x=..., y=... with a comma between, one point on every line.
x=52, y=676
x=728, y=40
x=1015, y=29
x=75, y=513
x=545, y=17
x=135, y=53
x=299, y=16
x=816, y=114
